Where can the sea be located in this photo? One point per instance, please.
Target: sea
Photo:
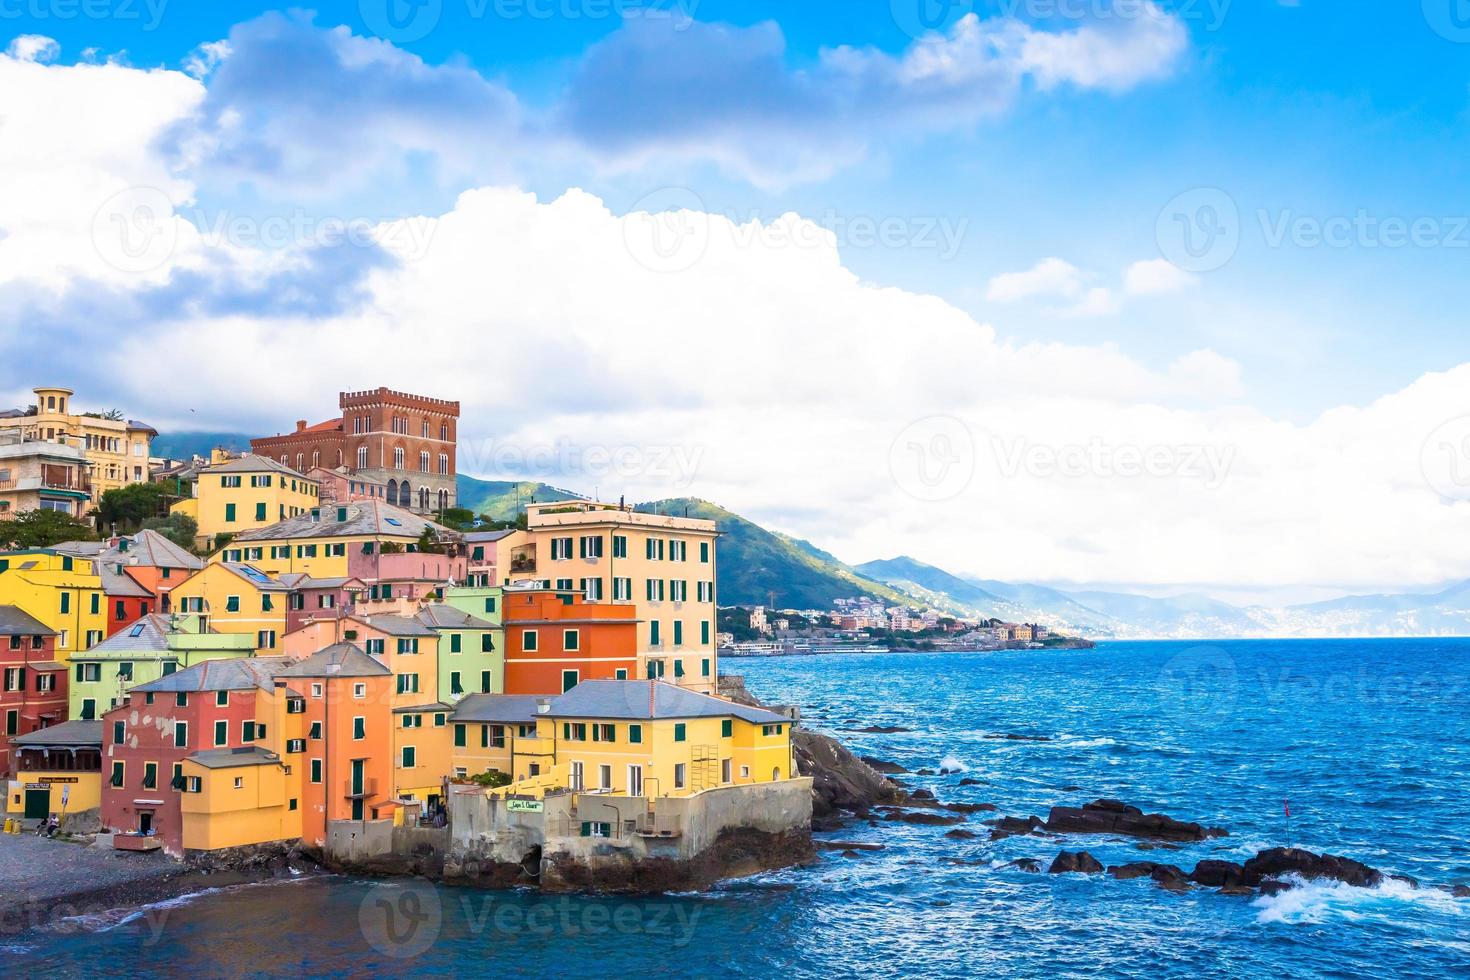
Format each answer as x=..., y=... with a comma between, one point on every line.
x=1365, y=742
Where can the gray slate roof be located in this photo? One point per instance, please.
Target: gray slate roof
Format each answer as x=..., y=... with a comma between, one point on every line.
x=364, y=517
x=241, y=674
x=252, y=755
x=337, y=660
x=256, y=577
x=118, y=583
x=630, y=699
x=68, y=733
x=445, y=617
x=251, y=463
x=395, y=625
x=485, y=537
x=153, y=637
x=506, y=709
x=15, y=621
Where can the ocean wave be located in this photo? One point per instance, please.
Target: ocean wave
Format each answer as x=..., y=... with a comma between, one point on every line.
x=110, y=919
x=953, y=763
x=1314, y=902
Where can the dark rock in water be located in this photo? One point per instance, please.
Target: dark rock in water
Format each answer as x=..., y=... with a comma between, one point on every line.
x=851, y=854
x=1461, y=891
x=883, y=729
x=1011, y=737
x=1237, y=890
x=939, y=903
x=1218, y=874
x=922, y=817
x=921, y=794
x=1117, y=817
x=972, y=781
x=1269, y=888
x=1014, y=826
x=1279, y=861
x=959, y=833
x=948, y=772
x=884, y=766
x=1171, y=878
x=1409, y=880
x=1071, y=789
x=924, y=772
x=847, y=845
x=1158, y=847
x=1029, y=865
x=1135, y=869
x=964, y=862
x=1079, y=862
x=830, y=822
x=969, y=807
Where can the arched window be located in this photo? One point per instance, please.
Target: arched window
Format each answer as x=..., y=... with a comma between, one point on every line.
x=393, y=491
x=51, y=403
x=423, y=461
x=339, y=457
x=316, y=458
x=298, y=462
x=443, y=499
x=423, y=498
x=398, y=458
x=362, y=457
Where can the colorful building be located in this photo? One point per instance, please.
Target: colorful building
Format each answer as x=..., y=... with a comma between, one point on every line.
x=55, y=770
x=365, y=539
x=60, y=590
x=33, y=692
x=349, y=742
x=152, y=647
x=661, y=565
x=488, y=555
x=164, y=744
x=340, y=485
x=148, y=558
x=233, y=597
x=116, y=448
x=636, y=738
x=42, y=475
x=498, y=732
x=556, y=640
x=469, y=651
x=405, y=442
x=245, y=493
x=320, y=598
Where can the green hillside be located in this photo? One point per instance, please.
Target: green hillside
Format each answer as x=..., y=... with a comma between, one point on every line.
x=499, y=500
x=183, y=445
x=754, y=562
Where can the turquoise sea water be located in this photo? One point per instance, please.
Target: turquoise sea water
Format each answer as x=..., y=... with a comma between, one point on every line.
x=1367, y=739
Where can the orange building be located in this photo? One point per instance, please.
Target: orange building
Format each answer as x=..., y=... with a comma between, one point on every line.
x=349, y=741
x=556, y=639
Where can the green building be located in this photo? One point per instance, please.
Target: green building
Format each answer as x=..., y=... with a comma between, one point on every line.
x=471, y=641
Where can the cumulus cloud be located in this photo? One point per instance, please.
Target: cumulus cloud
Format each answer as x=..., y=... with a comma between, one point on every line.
x=1049, y=277
x=1153, y=276
x=33, y=47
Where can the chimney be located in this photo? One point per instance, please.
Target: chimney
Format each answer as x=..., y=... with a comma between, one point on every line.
x=300, y=424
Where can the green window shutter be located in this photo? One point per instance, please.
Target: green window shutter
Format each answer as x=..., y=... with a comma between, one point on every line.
x=119, y=730
x=454, y=642
x=727, y=728
x=459, y=736
x=484, y=736
x=635, y=734
x=678, y=633
x=260, y=512
x=229, y=512
x=678, y=668
x=679, y=732
x=484, y=682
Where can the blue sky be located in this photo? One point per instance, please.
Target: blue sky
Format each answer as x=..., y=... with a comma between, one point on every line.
x=1174, y=223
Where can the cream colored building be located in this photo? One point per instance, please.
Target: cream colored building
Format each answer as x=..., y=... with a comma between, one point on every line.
x=662, y=564
x=116, y=448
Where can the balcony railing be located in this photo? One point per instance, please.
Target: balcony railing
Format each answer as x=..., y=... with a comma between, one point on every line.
x=525, y=562
x=360, y=789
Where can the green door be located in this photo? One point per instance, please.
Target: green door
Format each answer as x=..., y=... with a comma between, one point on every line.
x=38, y=804
x=357, y=789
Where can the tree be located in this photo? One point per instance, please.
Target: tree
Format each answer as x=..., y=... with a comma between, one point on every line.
x=181, y=529
x=126, y=508
x=458, y=518
x=43, y=528
x=429, y=542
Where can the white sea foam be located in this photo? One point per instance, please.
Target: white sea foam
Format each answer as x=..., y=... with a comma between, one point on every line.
x=952, y=762
x=1312, y=902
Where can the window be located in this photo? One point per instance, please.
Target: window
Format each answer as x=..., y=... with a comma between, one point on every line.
x=266, y=639
x=561, y=549
x=576, y=777
x=455, y=640
x=592, y=589
x=568, y=680
x=571, y=640
x=678, y=636
x=240, y=780
x=727, y=728
x=15, y=678
x=574, y=731
x=316, y=770
x=89, y=709
x=455, y=687
x=678, y=550
x=590, y=546
x=221, y=732
x=484, y=682
x=528, y=640
x=604, y=733
x=724, y=770
x=117, y=775
x=620, y=546
x=705, y=591
x=316, y=731
x=678, y=590
x=680, y=775
x=409, y=756
x=177, y=782
x=65, y=602
x=295, y=745
x=604, y=778
x=181, y=734
x=487, y=643
x=622, y=589
x=771, y=729
x=150, y=775
x=359, y=728
x=654, y=639
x=359, y=690
x=655, y=589
x=408, y=683
x=260, y=511
x=704, y=641
x=247, y=731
x=316, y=690
x=704, y=667
x=704, y=551
x=230, y=511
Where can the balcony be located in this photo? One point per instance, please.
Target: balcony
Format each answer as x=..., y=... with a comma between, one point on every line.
x=366, y=788
x=522, y=560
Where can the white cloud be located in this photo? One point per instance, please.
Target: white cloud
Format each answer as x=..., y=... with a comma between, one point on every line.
x=1151, y=277
x=33, y=47
x=1097, y=301
x=1049, y=277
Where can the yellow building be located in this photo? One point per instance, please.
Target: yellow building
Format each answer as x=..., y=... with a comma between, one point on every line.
x=421, y=753
x=238, y=797
x=351, y=539
x=662, y=564
x=55, y=770
x=635, y=738
x=498, y=732
x=61, y=590
x=117, y=448
x=236, y=598
x=245, y=494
